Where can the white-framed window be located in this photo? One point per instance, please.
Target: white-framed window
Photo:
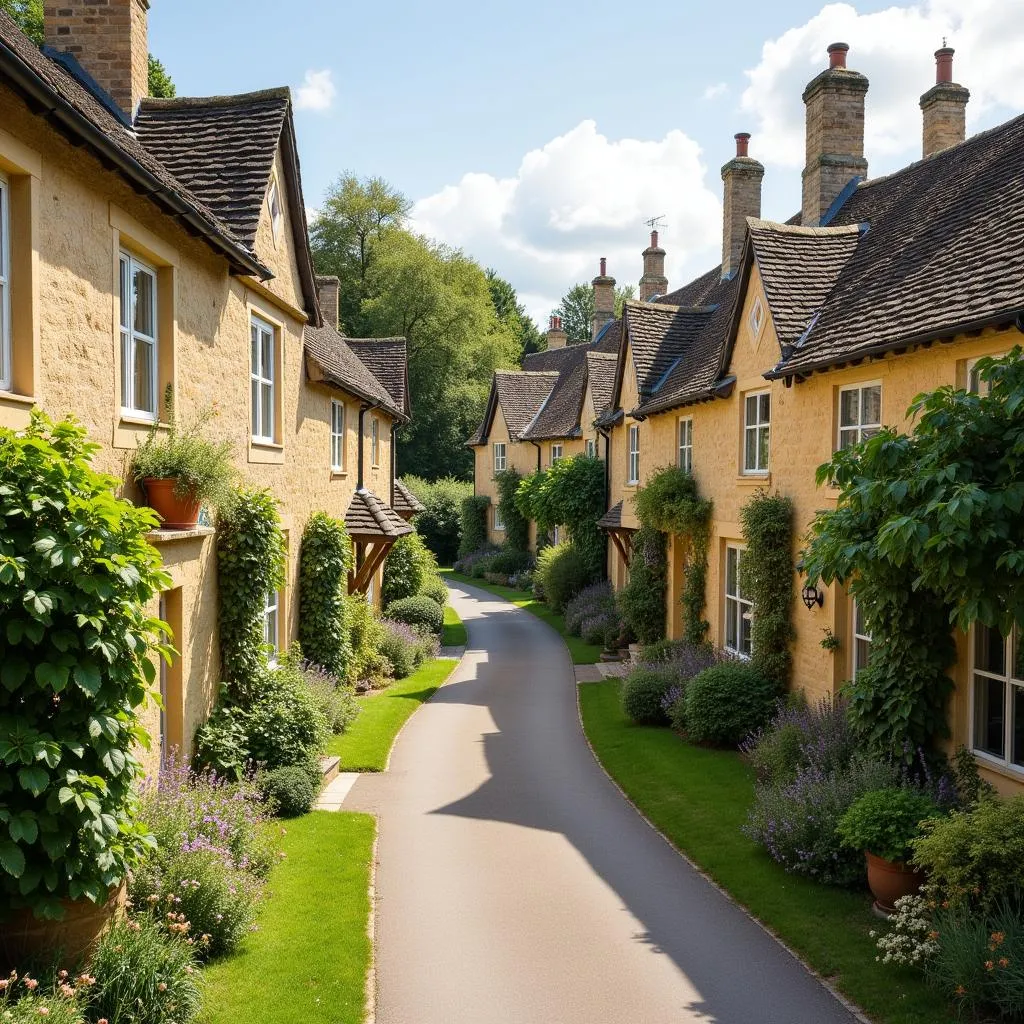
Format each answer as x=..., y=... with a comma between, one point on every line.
x=271, y=623
x=139, y=355
x=6, y=355
x=500, y=457
x=975, y=385
x=861, y=642
x=738, y=609
x=499, y=522
x=263, y=377
x=686, y=444
x=997, y=696
x=556, y=453
x=556, y=535
x=757, y=420
x=860, y=413
x=633, y=455
x=375, y=441
x=756, y=317
x=337, y=435
x=274, y=207
x=591, y=448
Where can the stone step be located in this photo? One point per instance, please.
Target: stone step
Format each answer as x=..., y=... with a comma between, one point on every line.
x=330, y=767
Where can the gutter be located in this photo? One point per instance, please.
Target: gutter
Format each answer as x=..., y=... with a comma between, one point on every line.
x=394, y=449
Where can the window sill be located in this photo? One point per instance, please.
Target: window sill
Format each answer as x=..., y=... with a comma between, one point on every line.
x=129, y=429
x=993, y=764
x=266, y=452
x=339, y=474
x=163, y=536
x=15, y=398
x=140, y=420
x=754, y=479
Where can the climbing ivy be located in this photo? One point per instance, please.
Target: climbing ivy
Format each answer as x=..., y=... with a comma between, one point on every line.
x=324, y=563
x=642, y=599
x=517, y=526
x=671, y=503
x=766, y=578
x=473, y=516
x=250, y=565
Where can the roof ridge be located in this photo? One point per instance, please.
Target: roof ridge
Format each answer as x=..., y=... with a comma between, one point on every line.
x=280, y=92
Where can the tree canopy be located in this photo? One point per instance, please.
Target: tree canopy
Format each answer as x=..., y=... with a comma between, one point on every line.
x=512, y=313
x=577, y=310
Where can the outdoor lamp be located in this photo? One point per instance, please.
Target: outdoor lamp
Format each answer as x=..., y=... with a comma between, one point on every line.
x=812, y=596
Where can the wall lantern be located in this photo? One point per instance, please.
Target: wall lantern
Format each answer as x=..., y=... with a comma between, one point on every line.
x=812, y=596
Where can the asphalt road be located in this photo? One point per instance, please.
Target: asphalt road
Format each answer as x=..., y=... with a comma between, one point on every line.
x=515, y=885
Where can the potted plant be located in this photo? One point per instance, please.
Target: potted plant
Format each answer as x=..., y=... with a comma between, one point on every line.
x=181, y=470
x=883, y=823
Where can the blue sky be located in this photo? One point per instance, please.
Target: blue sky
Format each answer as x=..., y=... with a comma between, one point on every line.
x=538, y=136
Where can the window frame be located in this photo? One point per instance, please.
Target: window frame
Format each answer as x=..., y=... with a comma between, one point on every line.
x=257, y=381
x=972, y=383
x=374, y=442
x=557, y=453
x=130, y=337
x=757, y=427
x=860, y=429
x=633, y=455
x=500, y=459
x=338, y=411
x=276, y=219
x=272, y=634
x=6, y=345
x=756, y=319
x=1011, y=682
x=499, y=523
x=736, y=607
x=685, y=446
x=855, y=638
x=590, y=448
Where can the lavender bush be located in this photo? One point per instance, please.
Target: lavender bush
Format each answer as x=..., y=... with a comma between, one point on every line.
x=590, y=603
x=406, y=647
x=335, y=696
x=476, y=560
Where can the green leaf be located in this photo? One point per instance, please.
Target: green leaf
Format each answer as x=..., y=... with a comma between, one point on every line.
x=12, y=859
x=88, y=678
x=14, y=672
x=35, y=779
x=54, y=676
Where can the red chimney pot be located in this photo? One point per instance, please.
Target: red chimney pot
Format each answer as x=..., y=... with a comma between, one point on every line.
x=742, y=141
x=944, y=65
x=604, y=266
x=654, y=239
x=837, y=55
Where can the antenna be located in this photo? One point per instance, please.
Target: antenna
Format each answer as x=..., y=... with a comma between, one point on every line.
x=655, y=222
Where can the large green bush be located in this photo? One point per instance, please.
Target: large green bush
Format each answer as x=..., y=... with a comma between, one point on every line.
x=419, y=611
x=76, y=576
x=440, y=523
x=642, y=599
x=324, y=563
x=408, y=566
x=517, y=526
x=434, y=588
x=643, y=694
x=562, y=572
x=473, y=522
x=290, y=790
x=727, y=702
x=886, y=821
x=366, y=634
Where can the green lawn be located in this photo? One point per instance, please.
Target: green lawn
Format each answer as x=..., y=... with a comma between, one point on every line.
x=582, y=653
x=698, y=798
x=307, y=963
x=364, y=747
x=454, y=634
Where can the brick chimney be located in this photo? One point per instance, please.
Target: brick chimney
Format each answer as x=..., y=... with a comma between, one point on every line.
x=109, y=40
x=604, y=298
x=835, y=134
x=654, y=282
x=944, y=107
x=742, y=199
x=556, y=336
x=327, y=291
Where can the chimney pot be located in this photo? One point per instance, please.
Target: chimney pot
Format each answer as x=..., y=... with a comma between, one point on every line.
x=604, y=267
x=654, y=282
x=654, y=239
x=837, y=55
x=604, y=299
x=944, y=65
x=742, y=142
x=944, y=107
x=741, y=198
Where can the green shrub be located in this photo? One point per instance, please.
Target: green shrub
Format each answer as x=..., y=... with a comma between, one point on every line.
x=440, y=523
x=727, y=702
x=677, y=710
x=145, y=974
x=975, y=857
x=508, y=561
x=517, y=526
x=22, y=1004
x=473, y=521
x=76, y=574
x=419, y=612
x=408, y=566
x=222, y=742
x=778, y=755
x=335, y=697
x=434, y=588
x=403, y=647
x=885, y=822
x=290, y=790
x=562, y=572
x=642, y=600
x=324, y=563
x=481, y=568
x=366, y=636
x=643, y=692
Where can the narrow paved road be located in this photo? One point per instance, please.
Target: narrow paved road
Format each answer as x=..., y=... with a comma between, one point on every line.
x=515, y=884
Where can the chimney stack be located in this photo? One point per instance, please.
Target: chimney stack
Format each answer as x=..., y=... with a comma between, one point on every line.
x=109, y=40
x=327, y=290
x=654, y=282
x=835, y=134
x=556, y=336
x=944, y=107
x=604, y=298
x=742, y=199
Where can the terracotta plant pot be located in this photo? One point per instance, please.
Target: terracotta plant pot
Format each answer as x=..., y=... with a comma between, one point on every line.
x=24, y=938
x=889, y=880
x=177, y=513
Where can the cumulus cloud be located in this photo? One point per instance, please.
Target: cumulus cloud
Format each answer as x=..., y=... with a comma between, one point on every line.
x=317, y=91
x=577, y=198
x=894, y=48
x=713, y=92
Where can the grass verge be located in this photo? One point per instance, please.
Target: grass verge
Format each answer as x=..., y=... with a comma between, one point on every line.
x=291, y=971
x=365, y=745
x=582, y=653
x=698, y=798
x=454, y=634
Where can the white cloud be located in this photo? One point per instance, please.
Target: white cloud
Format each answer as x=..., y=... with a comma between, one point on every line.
x=317, y=91
x=579, y=197
x=713, y=92
x=894, y=49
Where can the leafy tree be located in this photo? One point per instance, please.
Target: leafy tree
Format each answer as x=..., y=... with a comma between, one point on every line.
x=512, y=313
x=160, y=84
x=577, y=310
x=622, y=295
x=358, y=213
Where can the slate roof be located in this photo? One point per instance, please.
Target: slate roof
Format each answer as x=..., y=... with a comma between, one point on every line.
x=601, y=377
x=696, y=293
x=368, y=516
x=612, y=519
x=559, y=415
x=388, y=361
x=521, y=393
x=406, y=503
x=658, y=335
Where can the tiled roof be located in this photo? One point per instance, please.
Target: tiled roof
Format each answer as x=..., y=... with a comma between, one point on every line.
x=330, y=360
x=221, y=147
x=658, y=336
x=612, y=519
x=406, y=503
x=368, y=516
x=609, y=337
x=697, y=292
x=559, y=416
x=521, y=393
x=388, y=361
x=941, y=254
x=601, y=377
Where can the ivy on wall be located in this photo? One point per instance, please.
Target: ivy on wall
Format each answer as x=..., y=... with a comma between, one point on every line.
x=517, y=526
x=324, y=563
x=250, y=565
x=473, y=516
x=766, y=578
x=642, y=599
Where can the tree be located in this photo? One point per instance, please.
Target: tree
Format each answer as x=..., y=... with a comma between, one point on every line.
x=577, y=310
x=512, y=313
x=356, y=216
x=160, y=84
x=622, y=295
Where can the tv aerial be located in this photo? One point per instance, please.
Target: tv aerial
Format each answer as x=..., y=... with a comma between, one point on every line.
x=656, y=222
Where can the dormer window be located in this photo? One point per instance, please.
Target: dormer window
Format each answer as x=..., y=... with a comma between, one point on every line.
x=756, y=317
x=274, y=206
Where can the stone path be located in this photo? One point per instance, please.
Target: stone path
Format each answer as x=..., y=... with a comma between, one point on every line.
x=515, y=885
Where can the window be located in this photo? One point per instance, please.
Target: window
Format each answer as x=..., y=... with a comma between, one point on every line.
x=975, y=385
x=274, y=206
x=738, y=609
x=375, y=441
x=860, y=413
x=139, y=355
x=757, y=418
x=633, y=463
x=556, y=535
x=6, y=357
x=686, y=445
x=499, y=522
x=756, y=317
x=263, y=376
x=861, y=642
x=997, y=696
x=271, y=611
x=556, y=453
x=591, y=448
x=500, y=460
x=337, y=436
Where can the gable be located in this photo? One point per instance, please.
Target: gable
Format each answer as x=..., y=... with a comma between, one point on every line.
x=756, y=345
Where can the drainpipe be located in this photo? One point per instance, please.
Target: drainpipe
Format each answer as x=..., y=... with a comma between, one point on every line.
x=537, y=446
x=359, y=471
x=606, y=434
x=393, y=449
